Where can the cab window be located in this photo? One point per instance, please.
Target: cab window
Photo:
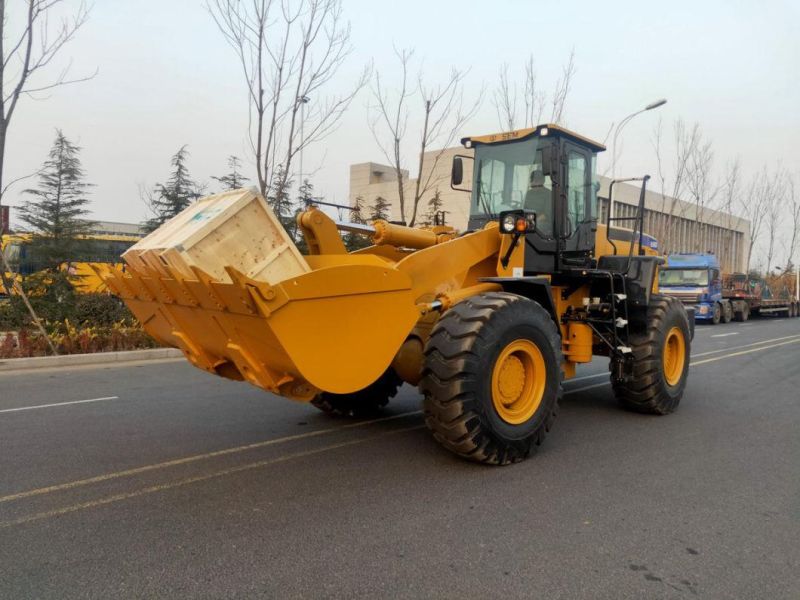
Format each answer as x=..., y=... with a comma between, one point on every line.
x=578, y=191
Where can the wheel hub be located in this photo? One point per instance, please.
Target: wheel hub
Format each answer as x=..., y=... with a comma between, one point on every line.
x=674, y=356
x=518, y=381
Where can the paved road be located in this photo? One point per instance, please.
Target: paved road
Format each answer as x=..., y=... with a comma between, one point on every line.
x=175, y=484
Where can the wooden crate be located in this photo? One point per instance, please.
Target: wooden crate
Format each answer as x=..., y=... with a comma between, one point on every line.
x=236, y=229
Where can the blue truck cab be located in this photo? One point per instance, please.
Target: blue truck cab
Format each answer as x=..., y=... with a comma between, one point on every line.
x=697, y=281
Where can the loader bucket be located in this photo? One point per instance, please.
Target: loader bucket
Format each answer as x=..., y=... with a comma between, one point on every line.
x=223, y=282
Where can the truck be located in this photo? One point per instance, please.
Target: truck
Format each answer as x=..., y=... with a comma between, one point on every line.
x=697, y=280
x=750, y=295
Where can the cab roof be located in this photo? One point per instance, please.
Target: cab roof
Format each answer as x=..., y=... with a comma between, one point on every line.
x=548, y=129
x=692, y=261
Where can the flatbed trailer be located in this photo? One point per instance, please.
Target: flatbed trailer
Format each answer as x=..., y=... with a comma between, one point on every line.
x=749, y=297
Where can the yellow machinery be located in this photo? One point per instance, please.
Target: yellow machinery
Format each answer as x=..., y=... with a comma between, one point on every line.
x=94, y=253
x=487, y=323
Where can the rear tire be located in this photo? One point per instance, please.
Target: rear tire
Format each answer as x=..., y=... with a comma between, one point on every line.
x=363, y=403
x=727, y=312
x=717, y=314
x=492, y=378
x=661, y=349
x=742, y=315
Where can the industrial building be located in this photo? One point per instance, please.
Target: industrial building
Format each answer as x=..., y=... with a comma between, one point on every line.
x=678, y=225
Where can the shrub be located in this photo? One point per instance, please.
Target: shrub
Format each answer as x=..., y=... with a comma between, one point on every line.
x=100, y=309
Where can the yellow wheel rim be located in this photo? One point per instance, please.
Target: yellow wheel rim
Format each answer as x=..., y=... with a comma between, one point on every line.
x=674, y=356
x=518, y=381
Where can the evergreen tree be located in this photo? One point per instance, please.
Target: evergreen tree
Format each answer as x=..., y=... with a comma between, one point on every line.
x=280, y=202
x=356, y=241
x=379, y=210
x=234, y=179
x=434, y=208
x=359, y=210
x=305, y=194
x=167, y=200
x=59, y=206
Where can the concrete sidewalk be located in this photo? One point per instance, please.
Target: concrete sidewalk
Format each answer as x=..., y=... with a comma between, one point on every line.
x=97, y=358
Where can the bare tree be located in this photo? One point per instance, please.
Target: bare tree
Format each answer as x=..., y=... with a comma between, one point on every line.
x=701, y=190
x=24, y=56
x=755, y=205
x=559, y=99
x=443, y=114
x=534, y=99
x=730, y=196
x=673, y=181
x=793, y=202
x=775, y=201
x=288, y=51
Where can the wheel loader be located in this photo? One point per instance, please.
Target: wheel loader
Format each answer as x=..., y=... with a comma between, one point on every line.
x=487, y=323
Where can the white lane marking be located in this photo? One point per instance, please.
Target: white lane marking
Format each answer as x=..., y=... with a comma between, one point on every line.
x=725, y=334
x=694, y=364
x=198, y=478
x=8, y=410
x=596, y=375
x=586, y=377
x=588, y=387
x=715, y=358
x=786, y=337
x=197, y=457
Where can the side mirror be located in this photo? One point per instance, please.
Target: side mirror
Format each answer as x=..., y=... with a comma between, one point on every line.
x=549, y=162
x=457, y=172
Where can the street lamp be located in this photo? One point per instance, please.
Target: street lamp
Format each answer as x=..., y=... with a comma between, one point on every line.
x=302, y=101
x=622, y=124
x=625, y=121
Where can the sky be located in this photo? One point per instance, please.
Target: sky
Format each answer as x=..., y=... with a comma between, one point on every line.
x=167, y=78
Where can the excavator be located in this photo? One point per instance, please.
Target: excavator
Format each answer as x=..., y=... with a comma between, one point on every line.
x=488, y=323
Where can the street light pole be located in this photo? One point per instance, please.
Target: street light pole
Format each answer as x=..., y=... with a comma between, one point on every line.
x=617, y=131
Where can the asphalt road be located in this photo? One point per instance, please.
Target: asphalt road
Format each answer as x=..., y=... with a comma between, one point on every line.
x=173, y=483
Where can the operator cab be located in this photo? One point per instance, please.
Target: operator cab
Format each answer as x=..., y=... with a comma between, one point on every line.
x=548, y=173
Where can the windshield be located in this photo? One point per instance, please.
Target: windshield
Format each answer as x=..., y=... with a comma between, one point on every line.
x=687, y=277
x=509, y=177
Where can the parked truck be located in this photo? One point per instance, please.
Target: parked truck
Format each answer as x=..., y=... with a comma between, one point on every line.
x=697, y=280
x=752, y=296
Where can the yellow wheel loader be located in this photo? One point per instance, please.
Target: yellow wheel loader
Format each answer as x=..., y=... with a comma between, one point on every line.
x=488, y=323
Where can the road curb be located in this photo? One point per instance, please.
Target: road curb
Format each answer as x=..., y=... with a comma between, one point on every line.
x=98, y=358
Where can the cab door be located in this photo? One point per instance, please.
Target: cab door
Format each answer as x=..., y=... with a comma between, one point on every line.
x=577, y=206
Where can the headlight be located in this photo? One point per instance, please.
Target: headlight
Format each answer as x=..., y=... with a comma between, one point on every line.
x=507, y=223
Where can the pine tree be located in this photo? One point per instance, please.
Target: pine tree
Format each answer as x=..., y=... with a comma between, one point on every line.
x=234, y=179
x=166, y=201
x=379, y=210
x=57, y=212
x=434, y=208
x=280, y=202
x=358, y=212
x=356, y=241
x=305, y=194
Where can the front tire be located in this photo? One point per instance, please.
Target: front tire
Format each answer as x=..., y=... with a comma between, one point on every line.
x=492, y=378
x=717, y=314
x=661, y=347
